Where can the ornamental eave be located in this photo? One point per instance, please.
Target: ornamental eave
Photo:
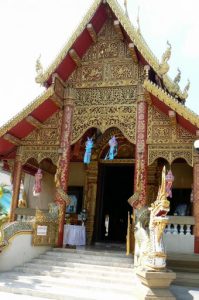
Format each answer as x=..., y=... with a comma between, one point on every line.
x=172, y=103
x=27, y=110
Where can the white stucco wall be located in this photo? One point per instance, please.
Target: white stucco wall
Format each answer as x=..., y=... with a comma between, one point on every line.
x=179, y=243
x=19, y=251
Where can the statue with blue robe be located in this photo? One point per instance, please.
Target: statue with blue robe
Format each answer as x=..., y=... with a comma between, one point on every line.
x=88, y=150
x=113, y=148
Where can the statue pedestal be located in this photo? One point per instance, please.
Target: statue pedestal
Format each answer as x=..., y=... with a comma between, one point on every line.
x=154, y=284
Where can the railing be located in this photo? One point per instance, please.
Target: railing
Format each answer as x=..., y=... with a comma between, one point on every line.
x=27, y=221
x=178, y=234
x=8, y=230
x=26, y=214
x=182, y=225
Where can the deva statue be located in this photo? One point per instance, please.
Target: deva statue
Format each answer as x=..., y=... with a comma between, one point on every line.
x=113, y=148
x=88, y=150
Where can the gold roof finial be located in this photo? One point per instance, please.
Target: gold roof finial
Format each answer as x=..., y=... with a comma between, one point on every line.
x=126, y=8
x=164, y=66
x=138, y=21
x=178, y=77
x=185, y=91
x=39, y=69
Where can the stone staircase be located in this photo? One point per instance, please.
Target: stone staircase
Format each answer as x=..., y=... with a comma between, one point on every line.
x=72, y=275
x=186, y=267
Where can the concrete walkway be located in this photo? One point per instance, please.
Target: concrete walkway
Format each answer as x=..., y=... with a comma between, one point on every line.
x=185, y=293
x=181, y=293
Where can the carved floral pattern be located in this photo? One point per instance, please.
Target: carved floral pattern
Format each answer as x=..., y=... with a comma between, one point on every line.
x=107, y=63
x=141, y=148
x=104, y=117
x=166, y=140
x=106, y=96
x=170, y=152
x=49, y=134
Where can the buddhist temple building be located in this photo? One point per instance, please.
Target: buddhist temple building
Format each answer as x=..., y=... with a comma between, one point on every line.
x=106, y=83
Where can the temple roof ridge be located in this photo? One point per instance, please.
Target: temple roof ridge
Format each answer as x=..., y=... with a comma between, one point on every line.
x=136, y=37
x=170, y=101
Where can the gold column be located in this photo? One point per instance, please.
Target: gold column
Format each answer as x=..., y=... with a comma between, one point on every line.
x=62, y=174
x=152, y=183
x=90, y=198
x=196, y=201
x=17, y=173
x=141, y=149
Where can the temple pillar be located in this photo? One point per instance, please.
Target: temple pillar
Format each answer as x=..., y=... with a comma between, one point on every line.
x=141, y=150
x=196, y=202
x=90, y=198
x=62, y=174
x=16, y=181
x=152, y=183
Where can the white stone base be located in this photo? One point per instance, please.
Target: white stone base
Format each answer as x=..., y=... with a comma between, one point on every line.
x=154, y=285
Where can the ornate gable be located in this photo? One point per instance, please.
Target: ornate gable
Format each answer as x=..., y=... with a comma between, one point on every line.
x=106, y=84
x=107, y=63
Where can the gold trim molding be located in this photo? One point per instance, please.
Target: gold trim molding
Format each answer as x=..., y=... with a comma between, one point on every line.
x=27, y=110
x=172, y=102
x=170, y=153
x=117, y=161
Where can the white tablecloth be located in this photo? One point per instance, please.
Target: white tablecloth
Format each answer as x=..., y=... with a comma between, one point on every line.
x=74, y=235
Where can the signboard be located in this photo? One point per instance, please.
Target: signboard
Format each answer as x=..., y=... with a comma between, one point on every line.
x=41, y=230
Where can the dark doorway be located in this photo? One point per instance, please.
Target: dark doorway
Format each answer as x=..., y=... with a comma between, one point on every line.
x=114, y=189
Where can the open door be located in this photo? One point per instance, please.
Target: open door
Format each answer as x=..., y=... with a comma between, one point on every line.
x=114, y=189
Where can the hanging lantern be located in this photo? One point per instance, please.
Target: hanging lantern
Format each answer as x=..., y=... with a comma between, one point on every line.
x=113, y=148
x=169, y=182
x=88, y=150
x=37, y=184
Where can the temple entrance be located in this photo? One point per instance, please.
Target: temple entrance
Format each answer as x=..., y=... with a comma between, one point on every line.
x=114, y=188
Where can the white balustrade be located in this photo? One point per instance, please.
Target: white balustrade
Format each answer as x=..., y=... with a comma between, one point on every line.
x=24, y=218
x=179, y=225
x=178, y=234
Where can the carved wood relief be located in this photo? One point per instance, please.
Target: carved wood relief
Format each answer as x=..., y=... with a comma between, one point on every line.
x=44, y=142
x=106, y=86
x=166, y=140
x=107, y=63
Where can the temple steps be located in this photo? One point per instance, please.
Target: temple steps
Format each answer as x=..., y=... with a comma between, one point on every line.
x=87, y=259
x=186, y=267
x=76, y=269
x=72, y=274
x=188, y=263
x=187, y=279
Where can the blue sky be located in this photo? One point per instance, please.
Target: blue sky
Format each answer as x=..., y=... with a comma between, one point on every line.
x=33, y=27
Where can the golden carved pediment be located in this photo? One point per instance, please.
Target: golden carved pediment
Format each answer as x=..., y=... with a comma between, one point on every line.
x=48, y=134
x=107, y=63
x=161, y=130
